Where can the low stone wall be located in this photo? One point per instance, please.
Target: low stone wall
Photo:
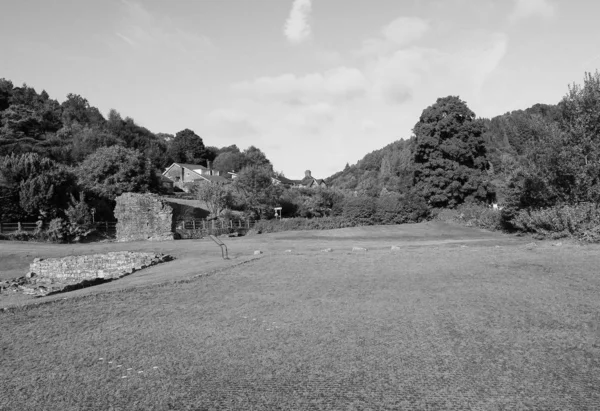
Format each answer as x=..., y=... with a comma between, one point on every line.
x=90, y=267
x=62, y=274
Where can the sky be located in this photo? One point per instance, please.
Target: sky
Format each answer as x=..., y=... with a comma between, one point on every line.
x=315, y=84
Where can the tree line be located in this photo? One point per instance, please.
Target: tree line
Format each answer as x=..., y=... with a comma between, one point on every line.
x=54, y=156
x=535, y=159
x=60, y=157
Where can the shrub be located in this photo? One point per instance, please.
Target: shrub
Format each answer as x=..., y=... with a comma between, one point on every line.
x=579, y=221
x=472, y=215
x=297, y=224
x=397, y=209
x=359, y=210
x=58, y=230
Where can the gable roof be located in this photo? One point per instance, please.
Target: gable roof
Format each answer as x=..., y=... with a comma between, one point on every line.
x=285, y=180
x=192, y=166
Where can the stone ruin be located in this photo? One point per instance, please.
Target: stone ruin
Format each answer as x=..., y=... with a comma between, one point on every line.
x=52, y=275
x=150, y=217
x=143, y=217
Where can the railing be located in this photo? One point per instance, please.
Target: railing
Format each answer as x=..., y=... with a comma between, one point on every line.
x=191, y=228
x=198, y=228
x=19, y=226
x=109, y=227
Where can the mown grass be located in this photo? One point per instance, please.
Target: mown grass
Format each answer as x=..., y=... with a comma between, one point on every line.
x=445, y=327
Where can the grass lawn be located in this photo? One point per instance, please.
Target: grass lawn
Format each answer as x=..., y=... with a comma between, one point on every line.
x=433, y=327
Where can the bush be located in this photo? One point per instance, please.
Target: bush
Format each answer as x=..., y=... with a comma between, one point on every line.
x=58, y=230
x=397, y=209
x=359, y=210
x=580, y=221
x=297, y=224
x=472, y=215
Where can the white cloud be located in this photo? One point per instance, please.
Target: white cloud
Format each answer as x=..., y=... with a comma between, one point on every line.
x=151, y=35
x=231, y=122
x=530, y=8
x=405, y=30
x=297, y=27
x=400, y=32
x=342, y=83
x=324, y=119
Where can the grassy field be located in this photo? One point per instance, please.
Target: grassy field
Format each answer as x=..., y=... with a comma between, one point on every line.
x=456, y=319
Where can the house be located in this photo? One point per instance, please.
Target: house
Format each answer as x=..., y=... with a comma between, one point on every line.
x=182, y=175
x=286, y=182
x=308, y=181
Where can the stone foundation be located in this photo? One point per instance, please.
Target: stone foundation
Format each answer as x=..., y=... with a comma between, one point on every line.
x=52, y=275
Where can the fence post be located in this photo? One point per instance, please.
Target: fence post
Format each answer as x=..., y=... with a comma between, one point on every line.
x=0, y=226
x=248, y=223
x=19, y=226
x=106, y=226
x=194, y=223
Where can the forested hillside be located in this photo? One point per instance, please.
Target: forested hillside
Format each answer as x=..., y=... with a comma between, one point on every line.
x=507, y=137
x=62, y=162
x=57, y=156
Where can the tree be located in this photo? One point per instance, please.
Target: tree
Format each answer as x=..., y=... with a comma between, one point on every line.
x=6, y=88
x=86, y=140
x=111, y=171
x=229, y=161
x=32, y=186
x=187, y=147
x=217, y=197
x=581, y=147
x=257, y=190
x=450, y=155
x=256, y=158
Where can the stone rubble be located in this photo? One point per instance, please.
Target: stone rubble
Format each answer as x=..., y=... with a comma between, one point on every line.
x=53, y=275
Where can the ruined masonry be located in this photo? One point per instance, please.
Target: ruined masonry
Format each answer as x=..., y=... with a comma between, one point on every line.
x=52, y=275
x=144, y=217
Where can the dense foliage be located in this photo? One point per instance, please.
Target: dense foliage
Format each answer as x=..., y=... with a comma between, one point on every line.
x=450, y=155
x=51, y=151
x=541, y=164
x=538, y=160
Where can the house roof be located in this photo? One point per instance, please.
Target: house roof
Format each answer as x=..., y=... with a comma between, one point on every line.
x=285, y=180
x=192, y=166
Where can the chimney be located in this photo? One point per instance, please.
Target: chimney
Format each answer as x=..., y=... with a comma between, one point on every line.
x=209, y=166
x=307, y=174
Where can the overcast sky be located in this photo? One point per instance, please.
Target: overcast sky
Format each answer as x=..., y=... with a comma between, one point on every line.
x=314, y=84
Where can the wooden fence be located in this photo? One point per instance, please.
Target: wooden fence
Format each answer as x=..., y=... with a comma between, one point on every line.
x=198, y=228
x=191, y=228
x=109, y=227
